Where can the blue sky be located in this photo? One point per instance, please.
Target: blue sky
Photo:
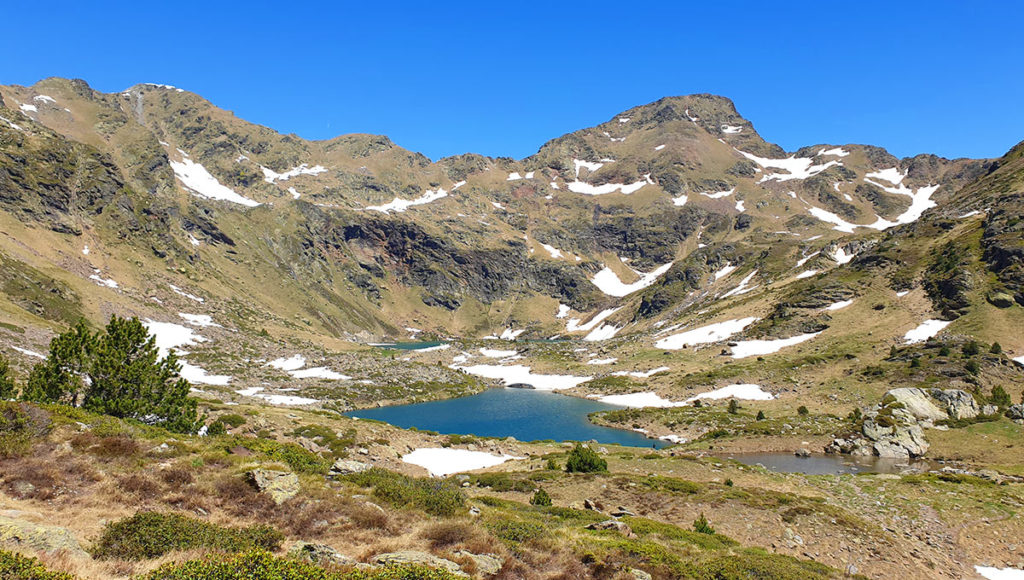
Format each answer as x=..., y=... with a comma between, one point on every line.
x=501, y=78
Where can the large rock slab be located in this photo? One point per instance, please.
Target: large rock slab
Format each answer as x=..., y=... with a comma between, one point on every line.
x=421, y=558
x=918, y=403
x=348, y=467
x=39, y=537
x=959, y=404
x=281, y=486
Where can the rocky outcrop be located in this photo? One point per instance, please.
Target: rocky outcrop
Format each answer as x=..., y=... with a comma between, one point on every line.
x=621, y=527
x=38, y=537
x=320, y=554
x=406, y=557
x=281, y=486
x=895, y=427
x=1016, y=413
x=348, y=467
x=486, y=564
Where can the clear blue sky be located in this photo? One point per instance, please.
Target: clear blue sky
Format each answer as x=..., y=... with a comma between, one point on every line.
x=501, y=78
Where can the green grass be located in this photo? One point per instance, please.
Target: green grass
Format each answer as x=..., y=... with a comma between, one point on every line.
x=438, y=498
x=260, y=565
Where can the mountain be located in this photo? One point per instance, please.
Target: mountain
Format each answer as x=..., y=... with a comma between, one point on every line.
x=666, y=253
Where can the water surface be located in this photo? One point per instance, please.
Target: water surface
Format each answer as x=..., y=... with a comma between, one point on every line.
x=526, y=414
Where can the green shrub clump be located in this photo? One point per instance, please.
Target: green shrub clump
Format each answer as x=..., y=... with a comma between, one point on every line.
x=149, y=535
x=17, y=567
x=439, y=498
x=585, y=460
x=261, y=565
x=541, y=498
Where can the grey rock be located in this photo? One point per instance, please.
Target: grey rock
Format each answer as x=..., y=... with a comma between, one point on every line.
x=38, y=537
x=1016, y=412
x=802, y=452
x=348, y=467
x=959, y=404
x=616, y=525
x=486, y=564
x=620, y=512
x=320, y=554
x=639, y=574
x=279, y=485
x=918, y=403
x=421, y=558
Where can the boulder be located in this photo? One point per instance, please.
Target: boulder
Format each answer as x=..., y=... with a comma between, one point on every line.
x=320, y=554
x=279, y=485
x=17, y=533
x=639, y=574
x=422, y=558
x=918, y=403
x=802, y=452
x=616, y=525
x=1000, y=299
x=959, y=404
x=1016, y=413
x=348, y=467
x=486, y=564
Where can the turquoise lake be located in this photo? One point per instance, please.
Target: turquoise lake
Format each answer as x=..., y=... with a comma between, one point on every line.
x=526, y=414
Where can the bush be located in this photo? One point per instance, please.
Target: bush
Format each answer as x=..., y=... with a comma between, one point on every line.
x=585, y=460
x=515, y=531
x=802, y=411
x=760, y=416
x=972, y=367
x=7, y=386
x=232, y=420
x=17, y=567
x=19, y=425
x=439, y=498
x=260, y=565
x=971, y=348
x=734, y=406
x=551, y=464
x=148, y=535
x=541, y=498
x=996, y=348
x=701, y=525
x=447, y=534
x=216, y=429
x=117, y=372
x=1000, y=397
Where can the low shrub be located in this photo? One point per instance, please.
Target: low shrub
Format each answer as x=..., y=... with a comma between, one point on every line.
x=541, y=498
x=20, y=424
x=232, y=420
x=17, y=567
x=260, y=565
x=515, y=531
x=585, y=460
x=447, y=534
x=439, y=498
x=149, y=535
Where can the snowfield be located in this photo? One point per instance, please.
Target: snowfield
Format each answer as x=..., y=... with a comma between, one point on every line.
x=271, y=176
x=797, y=167
x=198, y=180
x=747, y=348
x=747, y=392
x=608, y=282
x=513, y=374
x=925, y=330
x=705, y=334
x=400, y=205
x=639, y=400
x=441, y=462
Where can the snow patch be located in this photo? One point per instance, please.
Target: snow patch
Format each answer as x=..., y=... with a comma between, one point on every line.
x=441, y=462
x=563, y=311
x=495, y=353
x=806, y=274
x=742, y=288
x=747, y=348
x=513, y=374
x=839, y=305
x=602, y=361
x=555, y=252
x=181, y=292
x=838, y=152
x=925, y=330
x=197, y=179
x=608, y=282
x=747, y=392
x=640, y=374
x=731, y=129
x=993, y=573
x=574, y=323
x=705, y=334
x=28, y=352
x=797, y=167
x=639, y=400
x=719, y=194
x=271, y=176
x=679, y=201
x=400, y=205
x=204, y=320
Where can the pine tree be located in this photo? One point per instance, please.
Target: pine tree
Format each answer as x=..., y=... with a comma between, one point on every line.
x=117, y=372
x=702, y=526
x=585, y=460
x=58, y=379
